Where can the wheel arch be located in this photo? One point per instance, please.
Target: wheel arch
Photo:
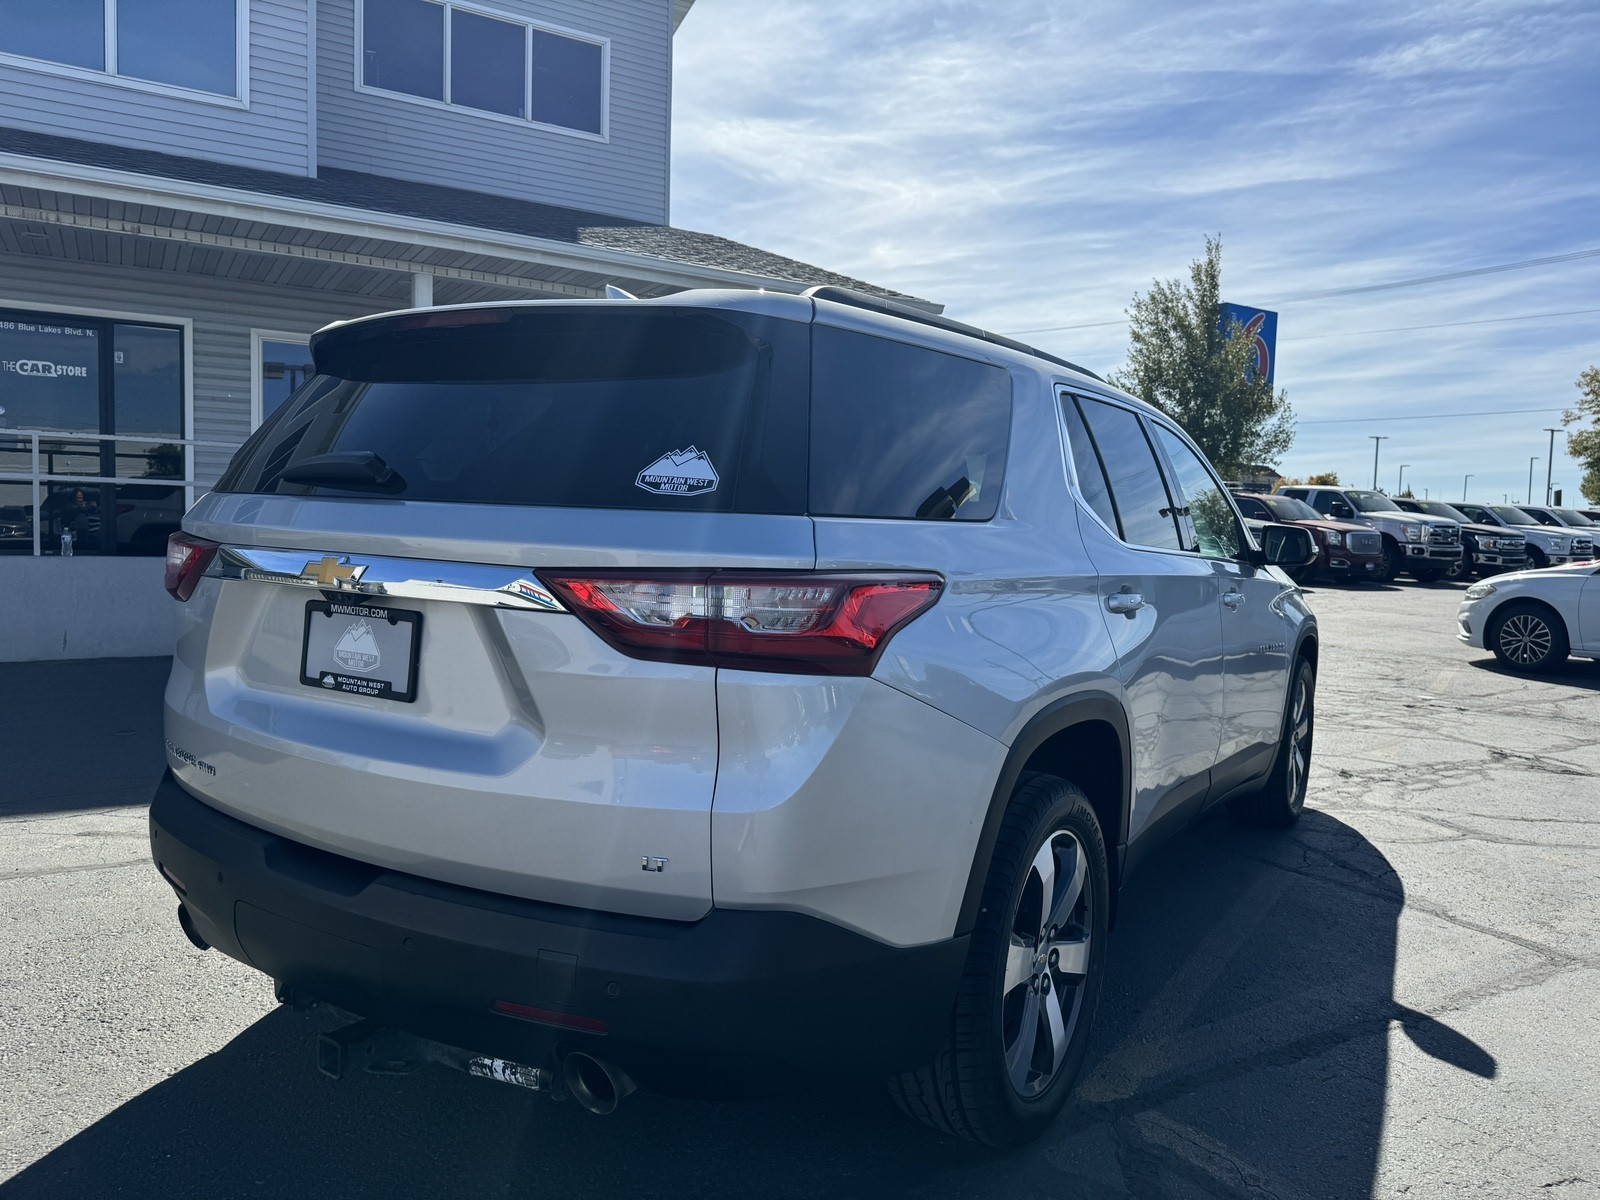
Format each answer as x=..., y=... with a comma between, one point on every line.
x=1501, y=610
x=1306, y=647
x=1084, y=739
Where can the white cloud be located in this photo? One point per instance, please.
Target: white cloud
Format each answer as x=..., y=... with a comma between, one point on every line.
x=1032, y=165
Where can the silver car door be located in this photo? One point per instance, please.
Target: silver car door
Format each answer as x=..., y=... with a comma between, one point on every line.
x=1257, y=624
x=1161, y=608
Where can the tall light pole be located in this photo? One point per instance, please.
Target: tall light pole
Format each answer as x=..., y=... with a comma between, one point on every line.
x=1377, y=440
x=1549, y=462
x=1401, y=486
x=1464, y=483
x=1531, y=461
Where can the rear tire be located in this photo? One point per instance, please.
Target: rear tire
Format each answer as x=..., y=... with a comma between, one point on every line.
x=1027, y=997
x=1527, y=637
x=1282, y=799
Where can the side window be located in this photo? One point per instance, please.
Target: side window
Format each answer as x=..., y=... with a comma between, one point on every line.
x=1323, y=502
x=1143, y=506
x=1086, y=463
x=1216, y=529
x=904, y=431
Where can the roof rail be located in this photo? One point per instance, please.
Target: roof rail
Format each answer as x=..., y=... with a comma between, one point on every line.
x=855, y=299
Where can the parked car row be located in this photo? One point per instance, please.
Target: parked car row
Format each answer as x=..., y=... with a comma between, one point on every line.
x=1363, y=534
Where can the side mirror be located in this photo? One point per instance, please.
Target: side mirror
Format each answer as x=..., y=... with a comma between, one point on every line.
x=1288, y=546
x=1341, y=510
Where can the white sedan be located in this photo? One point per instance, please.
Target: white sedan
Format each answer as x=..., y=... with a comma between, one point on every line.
x=1533, y=619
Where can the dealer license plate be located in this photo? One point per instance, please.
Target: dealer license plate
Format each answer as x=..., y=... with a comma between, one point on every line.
x=363, y=649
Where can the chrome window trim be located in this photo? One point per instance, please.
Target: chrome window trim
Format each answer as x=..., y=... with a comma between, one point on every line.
x=395, y=578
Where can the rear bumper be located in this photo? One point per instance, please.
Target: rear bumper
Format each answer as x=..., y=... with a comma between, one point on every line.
x=736, y=1001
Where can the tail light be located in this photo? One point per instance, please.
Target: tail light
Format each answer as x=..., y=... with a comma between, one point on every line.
x=187, y=560
x=750, y=621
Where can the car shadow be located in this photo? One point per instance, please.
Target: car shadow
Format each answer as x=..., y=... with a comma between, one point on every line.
x=1242, y=1036
x=1573, y=672
x=87, y=733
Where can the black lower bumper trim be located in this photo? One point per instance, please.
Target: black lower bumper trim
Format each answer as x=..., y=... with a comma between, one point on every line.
x=736, y=1001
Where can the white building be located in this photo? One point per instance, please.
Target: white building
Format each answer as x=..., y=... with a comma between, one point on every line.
x=181, y=208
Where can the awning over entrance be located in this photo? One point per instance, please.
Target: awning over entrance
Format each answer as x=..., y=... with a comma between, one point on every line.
x=352, y=233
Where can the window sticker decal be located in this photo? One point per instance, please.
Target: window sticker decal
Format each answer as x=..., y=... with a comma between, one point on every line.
x=679, y=473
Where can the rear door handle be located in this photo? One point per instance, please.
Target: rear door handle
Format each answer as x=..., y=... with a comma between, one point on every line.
x=1233, y=599
x=1126, y=603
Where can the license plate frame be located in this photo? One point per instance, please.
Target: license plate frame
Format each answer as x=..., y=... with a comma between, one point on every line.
x=340, y=654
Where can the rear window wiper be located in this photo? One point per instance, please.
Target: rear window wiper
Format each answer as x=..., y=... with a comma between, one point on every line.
x=355, y=468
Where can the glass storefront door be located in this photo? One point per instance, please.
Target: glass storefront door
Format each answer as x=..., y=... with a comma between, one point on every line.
x=69, y=375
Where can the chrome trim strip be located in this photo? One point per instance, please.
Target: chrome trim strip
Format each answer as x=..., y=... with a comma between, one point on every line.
x=397, y=578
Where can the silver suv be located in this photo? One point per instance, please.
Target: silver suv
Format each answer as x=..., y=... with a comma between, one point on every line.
x=712, y=692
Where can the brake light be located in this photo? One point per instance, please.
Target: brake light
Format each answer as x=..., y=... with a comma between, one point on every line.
x=450, y=319
x=187, y=560
x=749, y=621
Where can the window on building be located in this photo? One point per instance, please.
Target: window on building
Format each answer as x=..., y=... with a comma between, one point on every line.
x=203, y=57
x=121, y=382
x=403, y=47
x=488, y=64
x=190, y=44
x=59, y=31
x=282, y=366
x=567, y=80
x=493, y=63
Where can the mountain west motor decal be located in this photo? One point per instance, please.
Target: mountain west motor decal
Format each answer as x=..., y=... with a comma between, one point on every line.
x=679, y=473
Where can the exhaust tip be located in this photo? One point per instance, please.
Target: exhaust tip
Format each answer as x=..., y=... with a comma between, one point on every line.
x=597, y=1086
x=186, y=923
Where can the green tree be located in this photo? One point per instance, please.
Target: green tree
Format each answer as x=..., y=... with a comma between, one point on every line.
x=1182, y=361
x=1326, y=479
x=1584, y=445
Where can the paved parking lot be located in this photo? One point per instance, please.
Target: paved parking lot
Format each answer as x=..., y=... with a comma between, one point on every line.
x=1399, y=997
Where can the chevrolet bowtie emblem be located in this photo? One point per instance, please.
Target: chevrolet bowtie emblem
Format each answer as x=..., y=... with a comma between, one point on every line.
x=331, y=572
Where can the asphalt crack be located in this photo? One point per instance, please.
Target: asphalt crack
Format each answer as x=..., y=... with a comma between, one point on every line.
x=46, y=872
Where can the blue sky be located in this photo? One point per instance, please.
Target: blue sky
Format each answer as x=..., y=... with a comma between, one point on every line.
x=1032, y=165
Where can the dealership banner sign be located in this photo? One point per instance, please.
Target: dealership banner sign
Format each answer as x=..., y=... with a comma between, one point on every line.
x=1261, y=327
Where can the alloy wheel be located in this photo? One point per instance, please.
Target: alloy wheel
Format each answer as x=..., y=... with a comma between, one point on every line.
x=1525, y=638
x=1300, y=728
x=1047, y=964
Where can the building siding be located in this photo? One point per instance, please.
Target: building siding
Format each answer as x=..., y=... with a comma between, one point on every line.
x=625, y=176
x=273, y=133
x=223, y=314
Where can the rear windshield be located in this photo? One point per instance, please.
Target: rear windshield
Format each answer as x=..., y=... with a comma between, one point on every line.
x=652, y=408
x=616, y=408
